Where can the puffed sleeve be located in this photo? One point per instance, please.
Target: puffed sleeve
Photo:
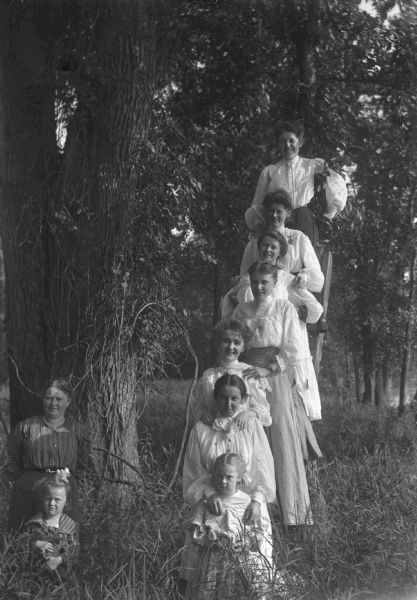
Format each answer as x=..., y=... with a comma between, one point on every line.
x=257, y=400
x=14, y=467
x=194, y=470
x=291, y=345
x=71, y=550
x=336, y=194
x=203, y=402
x=262, y=473
x=250, y=256
x=255, y=215
x=315, y=277
x=300, y=297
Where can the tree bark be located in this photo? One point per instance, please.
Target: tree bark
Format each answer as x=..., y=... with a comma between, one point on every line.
x=27, y=157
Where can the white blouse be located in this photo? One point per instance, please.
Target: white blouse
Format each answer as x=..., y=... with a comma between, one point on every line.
x=297, y=178
x=206, y=443
x=300, y=257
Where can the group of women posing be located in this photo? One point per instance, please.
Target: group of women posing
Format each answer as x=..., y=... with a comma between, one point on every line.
x=253, y=433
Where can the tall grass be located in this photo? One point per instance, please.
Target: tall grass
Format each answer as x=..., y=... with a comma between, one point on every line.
x=362, y=545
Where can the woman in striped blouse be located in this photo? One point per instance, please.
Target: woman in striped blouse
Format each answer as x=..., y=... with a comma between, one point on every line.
x=42, y=445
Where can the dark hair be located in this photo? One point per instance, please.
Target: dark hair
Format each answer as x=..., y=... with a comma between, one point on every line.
x=283, y=244
x=264, y=269
x=228, y=379
x=230, y=458
x=56, y=480
x=63, y=385
x=293, y=126
x=280, y=196
x=234, y=325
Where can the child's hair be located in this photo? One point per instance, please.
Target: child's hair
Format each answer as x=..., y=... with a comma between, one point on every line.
x=280, y=196
x=234, y=325
x=63, y=385
x=283, y=244
x=293, y=126
x=232, y=380
x=56, y=480
x=230, y=458
x=264, y=269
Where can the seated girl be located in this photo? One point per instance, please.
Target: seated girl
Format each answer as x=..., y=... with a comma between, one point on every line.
x=233, y=336
x=52, y=535
x=228, y=550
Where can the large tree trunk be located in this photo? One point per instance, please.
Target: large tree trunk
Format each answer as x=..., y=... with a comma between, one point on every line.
x=110, y=125
x=27, y=157
x=369, y=370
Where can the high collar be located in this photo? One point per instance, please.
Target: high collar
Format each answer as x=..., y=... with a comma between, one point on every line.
x=293, y=162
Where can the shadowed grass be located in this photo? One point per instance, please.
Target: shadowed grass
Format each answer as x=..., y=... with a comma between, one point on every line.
x=362, y=545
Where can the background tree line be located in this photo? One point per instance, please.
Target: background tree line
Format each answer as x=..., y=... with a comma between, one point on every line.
x=132, y=135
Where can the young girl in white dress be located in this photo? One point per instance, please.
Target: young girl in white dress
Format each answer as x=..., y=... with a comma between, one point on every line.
x=228, y=550
x=276, y=351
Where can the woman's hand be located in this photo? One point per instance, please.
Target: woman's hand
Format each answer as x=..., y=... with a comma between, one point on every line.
x=301, y=281
x=252, y=513
x=214, y=504
x=243, y=418
x=53, y=562
x=256, y=372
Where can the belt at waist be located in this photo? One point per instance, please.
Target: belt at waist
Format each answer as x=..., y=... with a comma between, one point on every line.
x=261, y=357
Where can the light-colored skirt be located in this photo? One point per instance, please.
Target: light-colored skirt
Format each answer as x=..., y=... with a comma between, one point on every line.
x=290, y=435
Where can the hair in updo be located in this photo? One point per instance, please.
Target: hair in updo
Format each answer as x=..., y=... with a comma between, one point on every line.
x=283, y=244
x=234, y=325
x=280, y=196
x=264, y=269
x=232, y=380
x=63, y=385
x=294, y=126
x=232, y=459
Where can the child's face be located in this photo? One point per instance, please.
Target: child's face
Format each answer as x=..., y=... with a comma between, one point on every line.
x=54, y=501
x=228, y=400
x=225, y=480
x=231, y=345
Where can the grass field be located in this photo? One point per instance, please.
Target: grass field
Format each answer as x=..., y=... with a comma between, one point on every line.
x=363, y=544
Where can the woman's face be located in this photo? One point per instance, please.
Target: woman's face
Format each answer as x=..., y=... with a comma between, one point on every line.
x=289, y=145
x=54, y=403
x=231, y=346
x=262, y=285
x=277, y=215
x=269, y=250
x=228, y=400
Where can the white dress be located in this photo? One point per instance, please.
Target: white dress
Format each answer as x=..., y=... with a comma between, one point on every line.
x=277, y=338
x=300, y=257
x=285, y=289
x=205, y=444
x=203, y=395
x=228, y=551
